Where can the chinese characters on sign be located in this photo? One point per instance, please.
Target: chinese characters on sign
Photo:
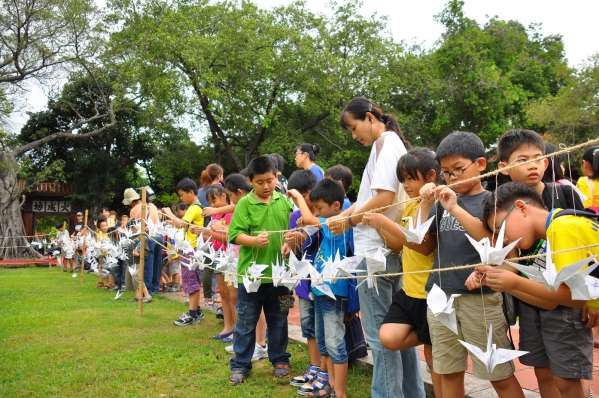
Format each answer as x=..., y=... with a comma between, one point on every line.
x=51, y=206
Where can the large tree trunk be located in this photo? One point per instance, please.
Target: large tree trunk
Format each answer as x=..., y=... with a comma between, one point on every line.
x=12, y=243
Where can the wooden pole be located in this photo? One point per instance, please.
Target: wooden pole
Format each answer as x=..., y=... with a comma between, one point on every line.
x=84, y=248
x=142, y=250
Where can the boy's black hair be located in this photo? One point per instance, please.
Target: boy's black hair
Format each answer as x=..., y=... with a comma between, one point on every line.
x=234, y=182
x=216, y=190
x=554, y=171
x=100, y=221
x=461, y=143
x=418, y=160
x=506, y=195
x=59, y=225
x=104, y=208
x=329, y=191
x=279, y=161
x=261, y=165
x=244, y=172
x=514, y=139
x=302, y=180
x=187, y=185
x=341, y=173
x=182, y=206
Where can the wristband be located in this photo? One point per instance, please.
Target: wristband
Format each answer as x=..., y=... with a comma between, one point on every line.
x=350, y=222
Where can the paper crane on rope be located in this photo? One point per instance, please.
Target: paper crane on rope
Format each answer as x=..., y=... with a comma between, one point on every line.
x=415, y=234
x=442, y=307
x=376, y=261
x=492, y=254
x=251, y=280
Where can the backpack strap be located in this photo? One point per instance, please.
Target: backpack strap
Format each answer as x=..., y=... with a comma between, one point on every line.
x=580, y=213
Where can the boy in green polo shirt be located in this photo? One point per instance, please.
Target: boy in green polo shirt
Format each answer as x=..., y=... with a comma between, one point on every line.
x=263, y=209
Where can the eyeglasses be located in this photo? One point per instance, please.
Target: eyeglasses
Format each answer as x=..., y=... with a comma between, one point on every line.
x=299, y=153
x=512, y=207
x=457, y=172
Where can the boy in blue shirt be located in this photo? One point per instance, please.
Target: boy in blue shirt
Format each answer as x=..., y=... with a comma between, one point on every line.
x=327, y=200
x=263, y=209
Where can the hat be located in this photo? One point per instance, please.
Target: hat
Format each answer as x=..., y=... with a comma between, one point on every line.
x=79, y=213
x=130, y=196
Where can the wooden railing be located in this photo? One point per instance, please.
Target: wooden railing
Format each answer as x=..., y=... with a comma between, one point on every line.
x=47, y=188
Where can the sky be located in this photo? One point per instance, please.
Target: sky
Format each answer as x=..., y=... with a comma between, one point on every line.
x=413, y=22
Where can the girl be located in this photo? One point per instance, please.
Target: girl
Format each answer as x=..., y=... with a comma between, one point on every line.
x=589, y=184
x=556, y=172
x=405, y=325
x=305, y=158
x=379, y=187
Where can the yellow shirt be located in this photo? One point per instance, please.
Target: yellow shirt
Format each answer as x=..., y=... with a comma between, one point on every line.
x=583, y=185
x=569, y=232
x=413, y=284
x=193, y=215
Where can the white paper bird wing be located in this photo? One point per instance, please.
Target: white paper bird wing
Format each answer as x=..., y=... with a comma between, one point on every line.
x=532, y=273
x=376, y=260
x=411, y=234
x=325, y=289
x=256, y=269
x=74, y=275
x=498, y=254
x=566, y=272
x=289, y=283
x=251, y=286
x=502, y=355
x=482, y=247
x=310, y=230
x=119, y=293
x=477, y=352
x=293, y=262
x=592, y=286
x=587, y=271
x=436, y=300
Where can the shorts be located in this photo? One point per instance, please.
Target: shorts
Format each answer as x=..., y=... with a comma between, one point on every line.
x=306, y=307
x=191, y=279
x=135, y=281
x=174, y=267
x=409, y=311
x=330, y=329
x=473, y=320
x=558, y=339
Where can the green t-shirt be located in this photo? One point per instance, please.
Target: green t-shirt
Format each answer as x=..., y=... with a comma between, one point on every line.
x=252, y=216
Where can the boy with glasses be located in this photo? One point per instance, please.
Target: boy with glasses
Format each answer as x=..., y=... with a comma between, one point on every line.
x=459, y=210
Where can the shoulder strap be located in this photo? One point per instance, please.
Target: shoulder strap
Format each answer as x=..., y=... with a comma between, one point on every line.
x=187, y=225
x=580, y=213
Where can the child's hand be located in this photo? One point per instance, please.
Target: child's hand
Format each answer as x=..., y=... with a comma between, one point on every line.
x=135, y=253
x=447, y=198
x=476, y=280
x=293, y=193
x=167, y=210
x=262, y=239
x=374, y=220
x=285, y=250
x=338, y=224
x=209, y=211
x=427, y=194
x=219, y=226
x=498, y=279
x=592, y=315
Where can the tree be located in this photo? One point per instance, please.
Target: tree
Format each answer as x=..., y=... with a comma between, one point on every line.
x=36, y=37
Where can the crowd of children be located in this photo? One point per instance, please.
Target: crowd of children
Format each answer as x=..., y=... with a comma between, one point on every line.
x=261, y=218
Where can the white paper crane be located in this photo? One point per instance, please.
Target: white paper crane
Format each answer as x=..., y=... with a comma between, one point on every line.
x=442, y=307
x=281, y=275
x=251, y=279
x=493, y=356
x=318, y=283
x=415, y=234
x=550, y=277
x=582, y=285
x=492, y=254
x=376, y=261
x=301, y=268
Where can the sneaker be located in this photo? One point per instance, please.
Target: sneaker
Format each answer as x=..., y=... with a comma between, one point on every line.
x=186, y=320
x=306, y=377
x=201, y=315
x=147, y=300
x=229, y=349
x=282, y=371
x=209, y=303
x=260, y=352
x=114, y=289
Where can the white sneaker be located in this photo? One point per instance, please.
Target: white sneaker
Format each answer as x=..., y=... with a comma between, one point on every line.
x=229, y=349
x=260, y=352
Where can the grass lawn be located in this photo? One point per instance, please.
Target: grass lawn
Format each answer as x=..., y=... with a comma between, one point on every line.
x=63, y=339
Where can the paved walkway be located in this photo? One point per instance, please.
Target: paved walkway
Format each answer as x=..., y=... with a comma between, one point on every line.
x=475, y=387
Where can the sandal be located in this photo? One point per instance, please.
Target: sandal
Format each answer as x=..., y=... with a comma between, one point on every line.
x=221, y=335
x=237, y=377
x=100, y=284
x=219, y=313
x=321, y=384
x=282, y=371
x=228, y=339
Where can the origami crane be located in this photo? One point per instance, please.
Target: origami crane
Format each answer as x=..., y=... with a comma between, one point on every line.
x=550, y=277
x=416, y=234
x=492, y=356
x=441, y=307
x=582, y=285
x=119, y=293
x=318, y=283
x=301, y=268
x=492, y=254
x=254, y=272
x=376, y=261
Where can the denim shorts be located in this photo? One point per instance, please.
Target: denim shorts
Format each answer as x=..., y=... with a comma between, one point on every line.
x=330, y=329
x=306, y=308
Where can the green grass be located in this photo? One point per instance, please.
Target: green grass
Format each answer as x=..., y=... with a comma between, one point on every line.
x=63, y=339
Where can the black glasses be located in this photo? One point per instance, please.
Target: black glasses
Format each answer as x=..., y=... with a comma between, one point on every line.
x=512, y=207
x=457, y=172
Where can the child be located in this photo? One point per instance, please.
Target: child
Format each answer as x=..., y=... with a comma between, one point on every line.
x=516, y=146
x=262, y=209
x=343, y=175
x=327, y=198
x=102, y=226
x=461, y=156
x=568, y=344
x=187, y=190
x=405, y=324
x=134, y=252
x=237, y=186
x=217, y=197
x=67, y=251
x=303, y=181
x=173, y=263
x=589, y=184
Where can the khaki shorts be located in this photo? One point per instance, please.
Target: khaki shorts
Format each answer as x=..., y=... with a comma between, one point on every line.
x=449, y=356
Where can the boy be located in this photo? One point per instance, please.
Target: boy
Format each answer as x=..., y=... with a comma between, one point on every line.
x=327, y=198
x=563, y=345
x=461, y=156
x=187, y=190
x=513, y=147
x=63, y=240
x=261, y=210
x=343, y=175
x=303, y=181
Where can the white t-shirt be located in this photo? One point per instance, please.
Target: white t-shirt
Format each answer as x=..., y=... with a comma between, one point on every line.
x=379, y=174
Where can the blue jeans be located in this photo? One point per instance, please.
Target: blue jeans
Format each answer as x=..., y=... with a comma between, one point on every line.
x=330, y=329
x=306, y=308
x=396, y=373
x=119, y=273
x=149, y=265
x=275, y=301
x=156, y=264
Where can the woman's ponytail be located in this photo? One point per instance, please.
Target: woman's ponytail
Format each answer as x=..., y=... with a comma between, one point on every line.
x=392, y=125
